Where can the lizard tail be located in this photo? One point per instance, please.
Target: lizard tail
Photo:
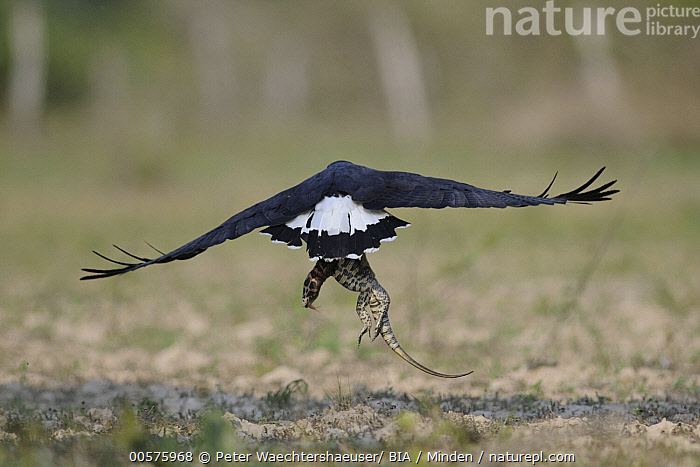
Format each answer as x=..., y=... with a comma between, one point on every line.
x=393, y=344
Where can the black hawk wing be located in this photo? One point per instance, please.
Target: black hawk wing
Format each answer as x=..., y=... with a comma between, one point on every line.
x=339, y=212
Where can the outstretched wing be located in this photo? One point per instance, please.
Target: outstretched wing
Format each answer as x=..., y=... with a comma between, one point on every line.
x=278, y=209
x=373, y=189
x=402, y=189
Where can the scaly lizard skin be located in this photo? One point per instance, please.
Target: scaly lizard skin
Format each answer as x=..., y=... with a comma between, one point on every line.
x=357, y=276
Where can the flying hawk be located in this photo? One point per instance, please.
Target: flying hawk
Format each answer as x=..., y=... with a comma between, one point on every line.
x=340, y=214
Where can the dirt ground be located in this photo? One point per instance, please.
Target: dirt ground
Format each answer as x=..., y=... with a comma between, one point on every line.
x=367, y=422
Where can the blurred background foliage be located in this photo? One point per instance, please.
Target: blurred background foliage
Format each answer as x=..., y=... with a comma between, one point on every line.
x=161, y=71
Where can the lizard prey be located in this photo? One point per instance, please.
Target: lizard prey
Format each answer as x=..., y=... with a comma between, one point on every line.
x=357, y=275
x=340, y=214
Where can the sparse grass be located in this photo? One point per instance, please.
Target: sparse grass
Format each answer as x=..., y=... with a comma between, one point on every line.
x=342, y=396
x=283, y=397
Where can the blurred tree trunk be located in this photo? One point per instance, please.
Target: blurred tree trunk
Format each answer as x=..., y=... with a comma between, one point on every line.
x=27, y=84
x=401, y=73
x=604, y=87
x=109, y=87
x=213, y=55
x=286, y=80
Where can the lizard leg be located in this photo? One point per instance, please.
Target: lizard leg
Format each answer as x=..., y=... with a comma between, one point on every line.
x=379, y=306
x=362, y=304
